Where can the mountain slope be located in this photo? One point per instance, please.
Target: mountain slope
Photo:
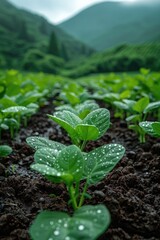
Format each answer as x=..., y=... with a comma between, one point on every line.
x=109, y=24
x=120, y=59
x=21, y=31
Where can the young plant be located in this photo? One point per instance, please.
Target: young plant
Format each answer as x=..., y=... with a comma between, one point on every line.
x=5, y=150
x=92, y=127
x=141, y=108
x=68, y=165
x=151, y=128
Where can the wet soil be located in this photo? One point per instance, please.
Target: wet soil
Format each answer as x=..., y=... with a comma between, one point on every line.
x=131, y=191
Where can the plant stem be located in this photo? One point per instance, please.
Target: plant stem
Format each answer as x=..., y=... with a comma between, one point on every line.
x=83, y=145
x=72, y=197
x=82, y=196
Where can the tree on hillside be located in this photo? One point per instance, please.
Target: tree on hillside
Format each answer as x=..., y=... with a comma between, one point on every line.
x=43, y=27
x=53, y=47
x=23, y=32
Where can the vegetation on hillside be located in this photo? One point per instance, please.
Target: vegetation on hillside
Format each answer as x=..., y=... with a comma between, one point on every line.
x=120, y=59
x=22, y=33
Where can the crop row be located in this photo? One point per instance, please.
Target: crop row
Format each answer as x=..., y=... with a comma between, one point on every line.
x=135, y=100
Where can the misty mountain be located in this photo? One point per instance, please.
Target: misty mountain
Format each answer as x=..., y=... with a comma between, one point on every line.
x=21, y=31
x=110, y=24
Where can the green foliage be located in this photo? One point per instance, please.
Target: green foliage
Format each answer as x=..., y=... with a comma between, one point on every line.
x=142, y=107
x=127, y=59
x=59, y=225
x=97, y=121
x=5, y=150
x=30, y=31
x=151, y=128
x=70, y=165
x=53, y=47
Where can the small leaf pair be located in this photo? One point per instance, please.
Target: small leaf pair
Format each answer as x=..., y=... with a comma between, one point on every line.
x=92, y=127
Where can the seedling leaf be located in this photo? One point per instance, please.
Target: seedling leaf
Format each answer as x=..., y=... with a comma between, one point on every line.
x=5, y=150
x=141, y=104
x=87, y=132
x=101, y=161
x=99, y=118
x=41, y=142
x=88, y=222
x=152, y=106
x=70, y=162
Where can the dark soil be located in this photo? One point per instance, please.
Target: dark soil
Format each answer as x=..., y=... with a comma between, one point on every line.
x=131, y=191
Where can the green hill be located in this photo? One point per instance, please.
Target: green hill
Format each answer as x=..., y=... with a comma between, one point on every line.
x=120, y=59
x=110, y=24
x=24, y=35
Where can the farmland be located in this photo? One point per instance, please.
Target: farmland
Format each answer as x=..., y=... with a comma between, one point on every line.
x=38, y=109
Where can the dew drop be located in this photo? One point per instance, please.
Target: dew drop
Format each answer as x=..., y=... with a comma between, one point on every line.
x=67, y=238
x=99, y=211
x=56, y=232
x=81, y=227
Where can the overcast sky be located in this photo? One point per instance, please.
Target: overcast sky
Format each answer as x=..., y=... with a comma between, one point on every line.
x=58, y=10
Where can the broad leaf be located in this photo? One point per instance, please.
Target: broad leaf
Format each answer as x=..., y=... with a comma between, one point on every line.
x=156, y=128
x=141, y=104
x=152, y=106
x=87, y=132
x=99, y=118
x=45, y=170
x=121, y=105
x=87, y=223
x=5, y=150
x=147, y=127
x=46, y=156
x=68, y=121
x=101, y=161
x=133, y=118
x=70, y=162
x=15, y=109
x=41, y=142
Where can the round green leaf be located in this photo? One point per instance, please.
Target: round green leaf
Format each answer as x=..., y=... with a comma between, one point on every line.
x=87, y=223
x=70, y=162
x=141, y=104
x=87, y=132
x=100, y=118
x=15, y=109
x=46, y=156
x=156, y=128
x=147, y=127
x=41, y=142
x=101, y=161
x=5, y=150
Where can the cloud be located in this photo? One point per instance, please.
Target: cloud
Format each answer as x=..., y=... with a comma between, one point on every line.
x=57, y=10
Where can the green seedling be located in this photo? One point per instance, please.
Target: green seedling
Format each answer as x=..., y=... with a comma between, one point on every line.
x=73, y=94
x=69, y=165
x=15, y=112
x=151, y=128
x=137, y=112
x=81, y=110
x=141, y=108
x=92, y=127
x=5, y=150
x=87, y=223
